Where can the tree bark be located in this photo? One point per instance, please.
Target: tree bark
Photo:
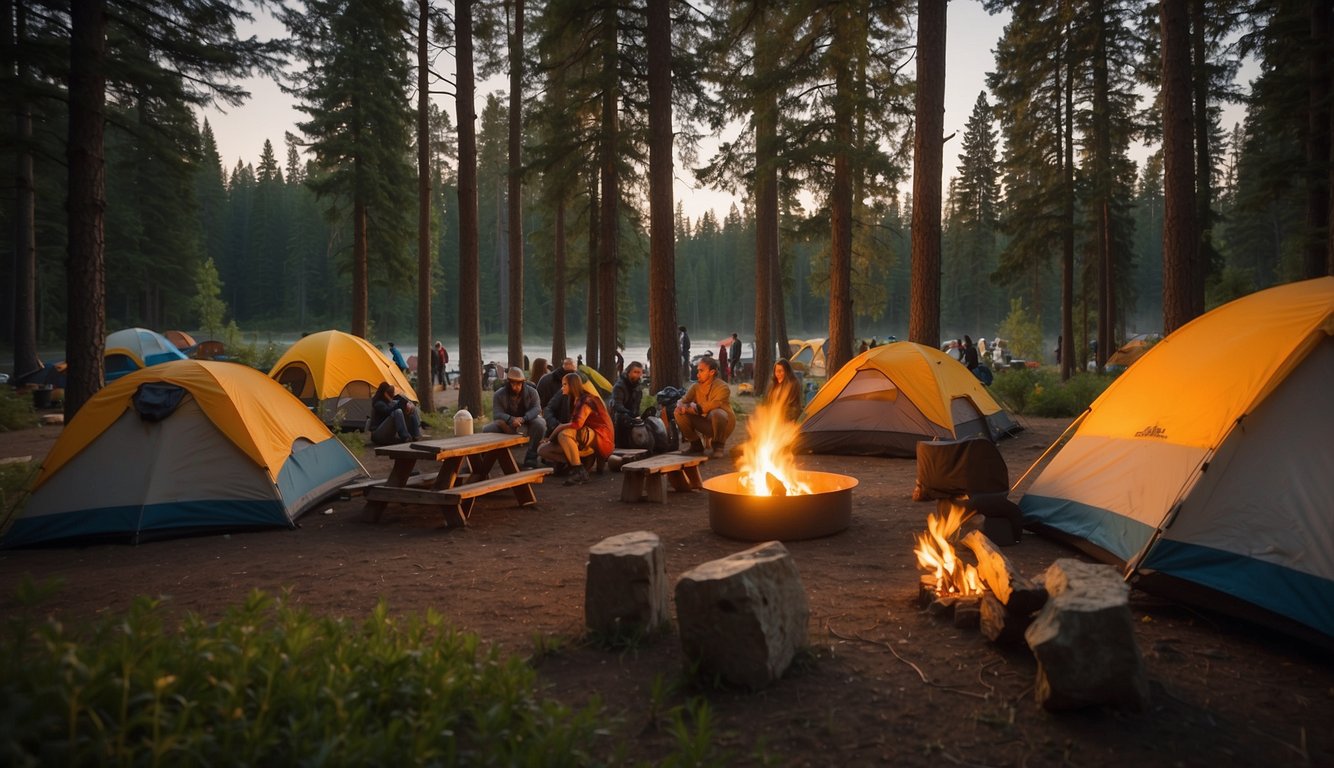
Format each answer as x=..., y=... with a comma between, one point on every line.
x=1318, y=145
x=425, y=352
x=558, y=299
x=1180, y=238
x=470, y=339
x=515, y=190
x=928, y=151
x=1102, y=168
x=1066, y=86
x=86, y=161
x=592, y=305
x=24, y=328
x=662, y=226
x=1203, y=261
x=766, y=204
x=609, y=239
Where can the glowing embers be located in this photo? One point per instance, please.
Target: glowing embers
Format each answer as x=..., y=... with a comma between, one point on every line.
x=937, y=556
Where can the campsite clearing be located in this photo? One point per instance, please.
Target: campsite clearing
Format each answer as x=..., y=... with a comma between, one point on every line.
x=882, y=683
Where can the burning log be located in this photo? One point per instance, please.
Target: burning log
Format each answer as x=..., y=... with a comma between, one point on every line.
x=999, y=624
x=776, y=485
x=1019, y=594
x=968, y=612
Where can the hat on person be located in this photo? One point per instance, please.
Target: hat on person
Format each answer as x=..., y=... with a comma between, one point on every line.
x=516, y=375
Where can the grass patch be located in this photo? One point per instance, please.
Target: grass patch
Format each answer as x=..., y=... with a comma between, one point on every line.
x=270, y=684
x=14, y=478
x=16, y=410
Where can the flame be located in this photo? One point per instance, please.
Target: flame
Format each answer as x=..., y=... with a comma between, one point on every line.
x=935, y=553
x=768, y=454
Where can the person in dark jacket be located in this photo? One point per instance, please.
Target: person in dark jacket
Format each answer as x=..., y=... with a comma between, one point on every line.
x=394, y=418
x=516, y=411
x=549, y=386
x=626, y=395
x=684, y=340
x=969, y=353
x=734, y=360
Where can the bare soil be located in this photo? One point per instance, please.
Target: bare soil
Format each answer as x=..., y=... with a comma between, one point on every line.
x=882, y=683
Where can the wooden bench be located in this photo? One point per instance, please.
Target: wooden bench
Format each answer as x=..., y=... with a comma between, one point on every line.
x=458, y=501
x=462, y=497
x=622, y=456
x=644, y=479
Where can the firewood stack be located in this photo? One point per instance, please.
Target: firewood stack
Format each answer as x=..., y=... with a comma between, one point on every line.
x=1081, y=632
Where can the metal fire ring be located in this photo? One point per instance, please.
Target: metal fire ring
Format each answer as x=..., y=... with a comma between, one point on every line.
x=736, y=514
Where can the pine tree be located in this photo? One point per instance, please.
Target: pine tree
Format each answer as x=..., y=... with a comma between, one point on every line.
x=354, y=88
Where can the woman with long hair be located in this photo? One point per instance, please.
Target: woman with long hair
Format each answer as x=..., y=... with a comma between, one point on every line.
x=785, y=390
x=394, y=418
x=589, y=430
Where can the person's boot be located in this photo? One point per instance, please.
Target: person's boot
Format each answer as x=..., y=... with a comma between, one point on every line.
x=696, y=446
x=578, y=476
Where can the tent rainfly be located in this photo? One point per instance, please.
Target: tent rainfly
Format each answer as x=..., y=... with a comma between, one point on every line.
x=1206, y=474
x=887, y=399
x=184, y=447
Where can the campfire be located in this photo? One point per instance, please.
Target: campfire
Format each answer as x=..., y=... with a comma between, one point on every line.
x=769, y=497
x=937, y=556
x=768, y=465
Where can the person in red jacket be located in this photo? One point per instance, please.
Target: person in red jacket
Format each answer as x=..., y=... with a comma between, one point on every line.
x=589, y=430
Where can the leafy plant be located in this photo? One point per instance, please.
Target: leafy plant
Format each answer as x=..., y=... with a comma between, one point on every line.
x=14, y=478
x=270, y=684
x=1023, y=332
x=1040, y=391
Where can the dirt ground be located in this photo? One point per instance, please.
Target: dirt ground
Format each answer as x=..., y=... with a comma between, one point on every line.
x=1224, y=693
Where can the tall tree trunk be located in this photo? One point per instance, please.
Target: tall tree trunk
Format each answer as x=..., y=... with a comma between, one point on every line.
x=1180, y=238
x=609, y=239
x=360, y=268
x=591, y=334
x=928, y=152
x=425, y=352
x=1205, y=255
x=766, y=202
x=84, y=154
x=1066, y=87
x=470, y=337
x=515, y=195
x=1318, y=145
x=1102, y=169
x=662, y=227
x=558, y=300
x=25, y=203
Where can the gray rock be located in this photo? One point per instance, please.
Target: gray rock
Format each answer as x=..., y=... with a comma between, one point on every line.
x=743, y=617
x=1084, y=641
x=626, y=589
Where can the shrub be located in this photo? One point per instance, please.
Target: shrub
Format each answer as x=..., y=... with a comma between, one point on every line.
x=16, y=410
x=1040, y=392
x=14, y=478
x=270, y=684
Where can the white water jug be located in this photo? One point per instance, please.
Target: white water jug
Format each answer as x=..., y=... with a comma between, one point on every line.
x=462, y=422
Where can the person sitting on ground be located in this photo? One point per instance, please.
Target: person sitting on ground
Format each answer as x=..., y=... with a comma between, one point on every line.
x=969, y=353
x=706, y=410
x=784, y=391
x=398, y=358
x=588, y=431
x=626, y=395
x=394, y=418
x=549, y=386
x=515, y=411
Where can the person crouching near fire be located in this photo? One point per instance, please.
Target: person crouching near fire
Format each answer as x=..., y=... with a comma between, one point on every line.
x=706, y=410
x=589, y=431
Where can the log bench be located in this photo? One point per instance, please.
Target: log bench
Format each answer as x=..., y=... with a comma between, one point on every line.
x=646, y=479
x=457, y=502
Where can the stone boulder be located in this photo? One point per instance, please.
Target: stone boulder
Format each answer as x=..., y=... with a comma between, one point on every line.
x=743, y=617
x=626, y=589
x=1084, y=640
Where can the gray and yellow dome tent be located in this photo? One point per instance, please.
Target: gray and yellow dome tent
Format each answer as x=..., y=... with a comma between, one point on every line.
x=184, y=447
x=337, y=373
x=1206, y=470
x=887, y=399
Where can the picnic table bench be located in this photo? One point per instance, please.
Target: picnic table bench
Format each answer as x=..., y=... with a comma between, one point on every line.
x=644, y=479
x=449, y=489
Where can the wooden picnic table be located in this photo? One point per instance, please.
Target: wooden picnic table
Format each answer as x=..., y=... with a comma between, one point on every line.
x=450, y=489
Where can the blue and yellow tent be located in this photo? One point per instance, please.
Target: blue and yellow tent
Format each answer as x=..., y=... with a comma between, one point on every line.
x=183, y=447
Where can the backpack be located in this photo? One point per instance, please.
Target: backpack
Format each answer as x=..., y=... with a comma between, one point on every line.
x=658, y=432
